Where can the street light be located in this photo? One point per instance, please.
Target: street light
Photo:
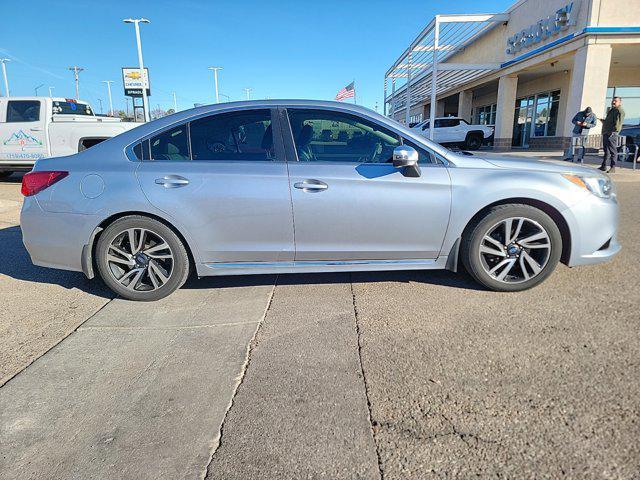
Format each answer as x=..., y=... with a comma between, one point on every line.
x=175, y=102
x=145, y=101
x=215, y=79
x=248, y=92
x=3, y=61
x=227, y=96
x=109, y=82
x=51, y=89
x=39, y=86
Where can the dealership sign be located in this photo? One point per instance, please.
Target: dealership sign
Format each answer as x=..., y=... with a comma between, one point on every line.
x=545, y=28
x=134, y=81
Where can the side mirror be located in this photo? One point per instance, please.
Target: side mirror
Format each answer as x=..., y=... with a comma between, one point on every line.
x=406, y=157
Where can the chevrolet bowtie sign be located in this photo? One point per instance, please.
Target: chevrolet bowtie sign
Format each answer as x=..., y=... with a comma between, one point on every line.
x=133, y=82
x=545, y=28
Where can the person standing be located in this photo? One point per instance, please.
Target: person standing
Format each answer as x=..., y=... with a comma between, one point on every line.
x=611, y=126
x=582, y=122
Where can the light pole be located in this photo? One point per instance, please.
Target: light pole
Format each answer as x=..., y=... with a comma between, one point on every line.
x=248, y=92
x=39, y=86
x=4, y=74
x=51, y=91
x=145, y=101
x=227, y=96
x=100, y=102
x=109, y=82
x=76, y=70
x=215, y=79
x=175, y=102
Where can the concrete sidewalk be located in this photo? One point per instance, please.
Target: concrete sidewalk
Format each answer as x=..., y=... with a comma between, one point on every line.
x=138, y=391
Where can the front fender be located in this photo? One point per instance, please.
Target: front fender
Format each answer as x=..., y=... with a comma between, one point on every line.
x=472, y=190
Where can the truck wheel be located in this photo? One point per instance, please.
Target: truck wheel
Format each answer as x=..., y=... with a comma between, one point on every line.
x=142, y=259
x=513, y=247
x=4, y=175
x=473, y=141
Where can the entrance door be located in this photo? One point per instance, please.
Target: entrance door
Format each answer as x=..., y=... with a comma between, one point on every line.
x=223, y=179
x=350, y=203
x=523, y=121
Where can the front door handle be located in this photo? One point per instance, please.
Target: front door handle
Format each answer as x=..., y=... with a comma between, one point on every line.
x=172, y=181
x=311, y=185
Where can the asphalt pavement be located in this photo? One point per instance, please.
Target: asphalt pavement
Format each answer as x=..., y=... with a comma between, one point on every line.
x=364, y=375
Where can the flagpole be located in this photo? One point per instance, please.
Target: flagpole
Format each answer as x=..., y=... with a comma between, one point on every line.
x=355, y=102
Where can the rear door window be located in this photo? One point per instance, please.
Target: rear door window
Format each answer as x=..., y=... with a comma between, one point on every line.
x=237, y=136
x=23, y=111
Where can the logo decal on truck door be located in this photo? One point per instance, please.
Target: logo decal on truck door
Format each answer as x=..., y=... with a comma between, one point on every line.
x=22, y=140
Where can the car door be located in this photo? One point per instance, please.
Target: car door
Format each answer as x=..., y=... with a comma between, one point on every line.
x=223, y=177
x=22, y=134
x=349, y=202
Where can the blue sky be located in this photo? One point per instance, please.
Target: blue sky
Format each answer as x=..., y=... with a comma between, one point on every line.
x=281, y=49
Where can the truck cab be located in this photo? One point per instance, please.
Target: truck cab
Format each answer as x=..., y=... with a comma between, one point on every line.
x=32, y=128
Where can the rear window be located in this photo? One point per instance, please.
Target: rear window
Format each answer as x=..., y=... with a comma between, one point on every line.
x=23, y=111
x=71, y=108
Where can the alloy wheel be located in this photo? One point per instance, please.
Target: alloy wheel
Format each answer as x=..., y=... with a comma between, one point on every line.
x=515, y=250
x=140, y=260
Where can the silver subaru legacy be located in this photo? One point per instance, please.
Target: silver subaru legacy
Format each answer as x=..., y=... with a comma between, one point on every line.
x=306, y=186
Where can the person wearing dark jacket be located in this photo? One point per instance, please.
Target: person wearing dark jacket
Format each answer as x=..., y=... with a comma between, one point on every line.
x=582, y=122
x=611, y=126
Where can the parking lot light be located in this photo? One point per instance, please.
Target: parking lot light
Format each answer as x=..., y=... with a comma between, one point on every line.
x=145, y=101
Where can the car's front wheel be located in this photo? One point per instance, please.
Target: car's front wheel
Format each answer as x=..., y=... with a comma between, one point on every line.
x=513, y=247
x=140, y=258
x=473, y=141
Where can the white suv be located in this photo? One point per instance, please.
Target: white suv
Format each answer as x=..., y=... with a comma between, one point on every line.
x=455, y=130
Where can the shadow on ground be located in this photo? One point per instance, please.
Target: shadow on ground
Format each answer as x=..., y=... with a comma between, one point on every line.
x=16, y=264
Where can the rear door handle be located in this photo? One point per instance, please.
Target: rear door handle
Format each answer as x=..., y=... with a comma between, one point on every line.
x=311, y=185
x=172, y=181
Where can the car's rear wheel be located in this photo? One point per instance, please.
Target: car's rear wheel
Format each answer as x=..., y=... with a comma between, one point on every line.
x=513, y=247
x=473, y=141
x=140, y=258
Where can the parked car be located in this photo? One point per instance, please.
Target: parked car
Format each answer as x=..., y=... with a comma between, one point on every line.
x=306, y=186
x=33, y=128
x=456, y=131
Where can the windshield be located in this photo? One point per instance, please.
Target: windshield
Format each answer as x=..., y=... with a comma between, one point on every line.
x=70, y=107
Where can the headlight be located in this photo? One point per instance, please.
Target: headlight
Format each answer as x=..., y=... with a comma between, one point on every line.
x=599, y=185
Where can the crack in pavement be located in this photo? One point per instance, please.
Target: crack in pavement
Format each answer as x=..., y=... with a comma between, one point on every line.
x=364, y=378
x=217, y=441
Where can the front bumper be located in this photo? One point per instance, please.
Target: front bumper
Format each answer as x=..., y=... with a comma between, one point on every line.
x=593, y=223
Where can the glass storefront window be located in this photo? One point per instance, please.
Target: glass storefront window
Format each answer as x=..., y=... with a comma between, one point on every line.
x=630, y=103
x=485, y=115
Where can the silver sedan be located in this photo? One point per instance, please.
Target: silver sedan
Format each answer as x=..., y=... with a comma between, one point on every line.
x=306, y=186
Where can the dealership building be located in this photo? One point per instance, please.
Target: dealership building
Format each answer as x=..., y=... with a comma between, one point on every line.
x=526, y=71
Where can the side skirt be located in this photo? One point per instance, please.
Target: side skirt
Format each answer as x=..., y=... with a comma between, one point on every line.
x=255, y=268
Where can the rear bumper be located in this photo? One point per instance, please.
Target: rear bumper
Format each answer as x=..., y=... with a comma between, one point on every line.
x=54, y=239
x=593, y=224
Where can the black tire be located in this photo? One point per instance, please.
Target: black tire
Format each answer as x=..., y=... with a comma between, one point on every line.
x=179, y=266
x=473, y=141
x=473, y=237
x=4, y=175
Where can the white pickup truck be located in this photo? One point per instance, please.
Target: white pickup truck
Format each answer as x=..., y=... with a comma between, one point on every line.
x=32, y=128
x=455, y=131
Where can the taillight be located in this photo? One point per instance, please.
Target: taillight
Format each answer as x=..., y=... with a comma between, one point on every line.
x=34, y=182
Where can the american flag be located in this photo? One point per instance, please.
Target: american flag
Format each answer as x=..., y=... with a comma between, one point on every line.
x=347, y=92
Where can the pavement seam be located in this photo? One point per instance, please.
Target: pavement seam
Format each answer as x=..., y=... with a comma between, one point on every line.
x=217, y=441
x=364, y=377
x=5, y=382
